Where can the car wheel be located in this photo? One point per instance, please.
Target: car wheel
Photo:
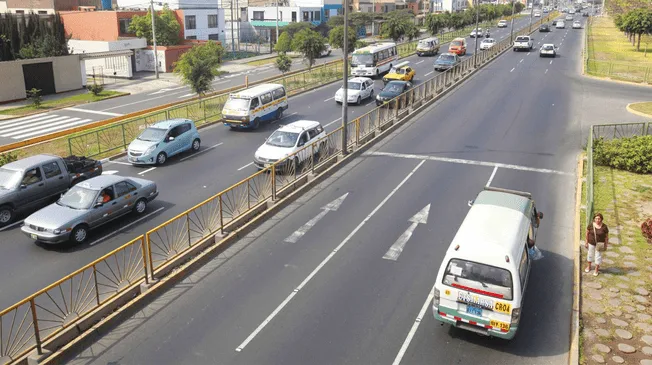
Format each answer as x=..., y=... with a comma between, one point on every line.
x=358, y=101
x=6, y=215
x=295, y=162
x=196, y=144
x=161, y=158
x=256, y=123
x=141, y=206
x=279, y=114
x=79, y=234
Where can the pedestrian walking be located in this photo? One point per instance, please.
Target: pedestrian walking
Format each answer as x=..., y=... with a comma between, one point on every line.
x=597, y=240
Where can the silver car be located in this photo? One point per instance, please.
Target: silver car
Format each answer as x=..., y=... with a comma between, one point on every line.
x=88, y=205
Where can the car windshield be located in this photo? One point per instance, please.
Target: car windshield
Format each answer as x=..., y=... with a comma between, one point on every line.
x=425, y=44
x=548, y=47
x=353, y=85
x=488, y=41
x=447, y=58
x=362, y=59
x=152, y=134
x=78, y=198
x=9, y=179
x=237, y=104
x=283, y=139
x=479, y=278
x=456, y=43
x=394, y=88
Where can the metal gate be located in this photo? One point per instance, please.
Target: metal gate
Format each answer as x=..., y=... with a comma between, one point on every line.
x=39, y=76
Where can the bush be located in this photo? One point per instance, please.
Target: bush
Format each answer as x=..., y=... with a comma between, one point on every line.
x=96, y=89
x=646, y=229
x=35, y=96
x=633, y=154
x=5, y=158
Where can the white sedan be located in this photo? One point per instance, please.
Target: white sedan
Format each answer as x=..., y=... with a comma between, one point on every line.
x=487, y=43
x=358, y=89
x=577, y=25
x=548, y=50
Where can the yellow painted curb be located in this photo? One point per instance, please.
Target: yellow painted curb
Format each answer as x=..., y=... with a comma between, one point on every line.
x=574, y=352
x=629, y=109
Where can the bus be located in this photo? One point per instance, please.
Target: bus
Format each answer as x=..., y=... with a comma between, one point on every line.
x=260, y=103
x=374, y=59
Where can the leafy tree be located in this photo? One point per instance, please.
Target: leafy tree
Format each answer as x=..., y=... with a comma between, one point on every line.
x=284, y=43
x=199, y=66
x=283, y=63
x=336, y=38
x=294, y=28
x=434, y=23
x=167, y=27
x=398, y=24
x=34, y=95
x=360, y=19
x=335, y=21
x=310, y=43
x=639, y=22
x=31, y=36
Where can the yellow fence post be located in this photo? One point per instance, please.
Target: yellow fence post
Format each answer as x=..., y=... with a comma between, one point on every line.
x=143, y=246
x=149, y=253
x=97, y=288
x=221, y=215
x=246, y=81
x=37, y=335
x=273, y=182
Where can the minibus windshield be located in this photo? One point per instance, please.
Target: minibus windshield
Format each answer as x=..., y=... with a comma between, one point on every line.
x=479, y=278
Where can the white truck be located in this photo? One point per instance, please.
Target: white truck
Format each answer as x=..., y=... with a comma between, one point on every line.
x=523, y=42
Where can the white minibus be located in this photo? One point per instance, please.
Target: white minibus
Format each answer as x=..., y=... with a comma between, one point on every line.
x=251, y=107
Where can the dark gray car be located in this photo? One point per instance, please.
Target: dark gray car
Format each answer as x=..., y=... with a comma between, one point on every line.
x=88, y=205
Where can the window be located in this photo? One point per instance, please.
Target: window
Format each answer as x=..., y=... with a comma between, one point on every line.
x=522, y=269
x=191, y=37
x=212, y=20
x=478, y=278
x=191, y=22
x=303, y=139
x=214, y=37
x=124, y=25
x=278, y=93
x=280, y=15
x=243, y=15
x=266, y=98
x=294, y=16
x=20, y=11
x=124, y=188
x=254, y=104
x=319, y=129
x=42, y=12
x=306, y=16
x=32, y=176
x=317, y=16
x=51, y=169
x=313, y=133
x=259, y=15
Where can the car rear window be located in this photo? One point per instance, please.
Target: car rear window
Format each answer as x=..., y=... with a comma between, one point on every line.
x=521, y=39
x=479, y=278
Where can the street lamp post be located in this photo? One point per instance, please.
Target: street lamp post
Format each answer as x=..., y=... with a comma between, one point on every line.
x=151, y=3
x=511, y=32
x=345, y=96
x=477, y=19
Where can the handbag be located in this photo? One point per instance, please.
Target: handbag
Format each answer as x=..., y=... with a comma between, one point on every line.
x=600, y=246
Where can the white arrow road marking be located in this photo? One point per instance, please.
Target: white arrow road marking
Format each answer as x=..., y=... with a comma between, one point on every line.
x=397, y=248
x=324, y=262
x=109, y=172
x=332, y=206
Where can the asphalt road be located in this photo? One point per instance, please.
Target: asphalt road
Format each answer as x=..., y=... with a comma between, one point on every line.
x=225, y=158
x=330, y=297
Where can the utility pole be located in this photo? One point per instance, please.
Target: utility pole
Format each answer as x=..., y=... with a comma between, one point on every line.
x=276, y=21
x=373, y=18
x=511, y=31
x=345, y=68
x=531, y=12
x=151, y=3
x=232, y=35
x=477, y=20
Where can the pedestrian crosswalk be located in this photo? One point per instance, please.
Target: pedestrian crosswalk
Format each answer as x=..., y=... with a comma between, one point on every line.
x=38, y=125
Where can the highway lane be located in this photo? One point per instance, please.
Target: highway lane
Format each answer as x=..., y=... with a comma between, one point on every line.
x=32, y=126
x=353, y=306
x=224, y=160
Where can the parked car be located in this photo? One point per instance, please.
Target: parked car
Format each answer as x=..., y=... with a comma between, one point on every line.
x=400, y=71
x=446, y=61
x=88, y=205
x=290, y=139
x=523, y=42
x=392, y=90
x=358, y=89
x=548, y=50
x=33, y=182
x=487, y=43
x=163, y=140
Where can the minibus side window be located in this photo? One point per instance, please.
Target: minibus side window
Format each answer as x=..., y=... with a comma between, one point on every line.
x=254, y=104
x=266, y=98
x=278, y=93
x=523, y=267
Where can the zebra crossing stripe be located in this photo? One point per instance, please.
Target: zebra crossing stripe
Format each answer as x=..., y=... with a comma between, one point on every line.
x=51, y=123
x=13, y=128
x=46, y=130
x=21, y=121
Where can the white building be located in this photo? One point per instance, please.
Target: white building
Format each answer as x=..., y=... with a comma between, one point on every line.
x=440, y=6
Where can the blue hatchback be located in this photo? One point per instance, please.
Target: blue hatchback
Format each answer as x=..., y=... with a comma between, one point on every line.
x=163, y=140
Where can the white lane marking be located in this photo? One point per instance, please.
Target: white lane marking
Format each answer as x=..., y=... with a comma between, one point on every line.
x=245, y=166
x=94, y=112
x=166, y=90
x=429, y=73
x=335, y=121
x=125, y=227
x=136, y=102
x=512, y=70
x=27, y=117
x=109, y=172
x=491, y=178
x=319, y=267
x=414, y=328
x=146, y=171
x=551, y=62
x=521, y=60
x=43, y=131
x=329, y=99
x=546, y=71
x=120, y=162
x=397, y=248
x=202, y=151
x=420, y=62
x=330, y=207
x=28, y=120
x=11, y=225
x=528, y=54
x=467, y=162
x=52, y=119
x=187, y=96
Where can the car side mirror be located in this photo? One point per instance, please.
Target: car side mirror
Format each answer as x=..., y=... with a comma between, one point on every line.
x=23, y=186
x=170, y=139
x=540, y=215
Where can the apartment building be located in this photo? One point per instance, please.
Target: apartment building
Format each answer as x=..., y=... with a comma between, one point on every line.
x=440, y=6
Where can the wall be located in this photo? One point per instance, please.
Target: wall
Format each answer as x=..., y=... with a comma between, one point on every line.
x=91, y=26
x=145, y=60
x=3, y=6
x=111, y=66
x=67, y=76
x=285, y=13
x=83, y=46
x=202, y=30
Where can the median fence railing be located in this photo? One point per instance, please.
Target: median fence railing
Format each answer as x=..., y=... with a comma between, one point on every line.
x=67, y=304
x=608, y=132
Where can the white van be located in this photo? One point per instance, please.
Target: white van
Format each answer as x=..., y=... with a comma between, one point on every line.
x=248, y=108
x=482, y=280
x=428, y=46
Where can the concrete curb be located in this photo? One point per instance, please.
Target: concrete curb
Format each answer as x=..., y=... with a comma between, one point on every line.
x=194, y=259
x=574, y=352
x=641, y=114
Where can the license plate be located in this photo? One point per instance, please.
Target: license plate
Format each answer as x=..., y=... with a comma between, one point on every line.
x=474, y=310
x=503, y=307
x=499, y=325
x=133, y=159
x=34, y=237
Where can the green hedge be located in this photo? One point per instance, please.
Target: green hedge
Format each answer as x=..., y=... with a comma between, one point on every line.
x=632, y=154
